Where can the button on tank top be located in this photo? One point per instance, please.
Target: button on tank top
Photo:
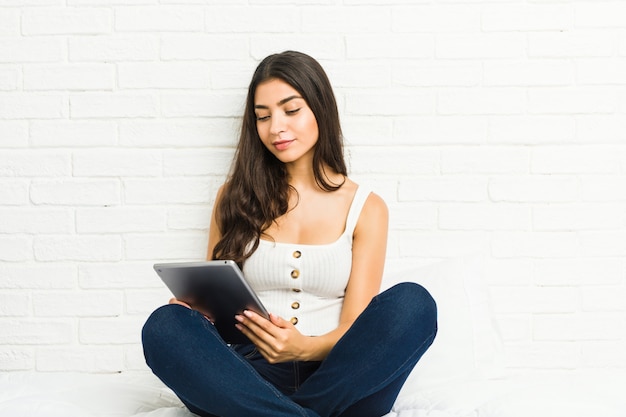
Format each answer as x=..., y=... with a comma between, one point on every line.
x=306, y=284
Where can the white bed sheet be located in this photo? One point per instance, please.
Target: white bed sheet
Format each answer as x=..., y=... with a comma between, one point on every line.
x=538, y=394
x=557, y=394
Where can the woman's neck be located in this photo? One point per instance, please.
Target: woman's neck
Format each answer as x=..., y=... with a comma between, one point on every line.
x=302, y=176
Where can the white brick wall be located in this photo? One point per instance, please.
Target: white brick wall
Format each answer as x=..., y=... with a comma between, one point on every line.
x=486, y=125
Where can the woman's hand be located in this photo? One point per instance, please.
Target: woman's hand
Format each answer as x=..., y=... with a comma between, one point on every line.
x=276, y=339
x=177, y=301
x=184, y=304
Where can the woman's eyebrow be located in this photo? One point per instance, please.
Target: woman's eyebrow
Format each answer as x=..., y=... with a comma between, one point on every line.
x=280, y=103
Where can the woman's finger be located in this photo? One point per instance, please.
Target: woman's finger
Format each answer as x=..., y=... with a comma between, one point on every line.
x=177, y=301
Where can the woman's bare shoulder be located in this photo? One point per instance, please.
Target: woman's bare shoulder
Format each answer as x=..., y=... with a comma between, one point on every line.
x=374, y=200
x=375, y=205
x=220, y=191
x=374, y=209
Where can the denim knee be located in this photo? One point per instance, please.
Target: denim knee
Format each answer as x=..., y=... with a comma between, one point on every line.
x=163, y=325
x=157, y=321
x=414, y=303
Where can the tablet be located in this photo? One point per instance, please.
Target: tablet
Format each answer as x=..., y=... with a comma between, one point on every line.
x=217, y=289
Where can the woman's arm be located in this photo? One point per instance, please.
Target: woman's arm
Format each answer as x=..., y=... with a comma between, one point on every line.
x=214, y=230
x=369, y=248
x=279, y=341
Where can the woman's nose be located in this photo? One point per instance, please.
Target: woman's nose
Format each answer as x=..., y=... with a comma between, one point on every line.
x=277, y=124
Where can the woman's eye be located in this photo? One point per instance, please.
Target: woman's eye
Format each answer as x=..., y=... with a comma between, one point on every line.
x=262, y=118
x=294, y=111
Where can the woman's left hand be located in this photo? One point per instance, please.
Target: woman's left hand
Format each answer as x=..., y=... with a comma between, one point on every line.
x=276, y=339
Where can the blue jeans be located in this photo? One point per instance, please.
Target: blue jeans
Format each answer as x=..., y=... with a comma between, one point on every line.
x=361, y=376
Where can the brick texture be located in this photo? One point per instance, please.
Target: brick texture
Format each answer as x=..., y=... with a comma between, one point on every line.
x=493, y=127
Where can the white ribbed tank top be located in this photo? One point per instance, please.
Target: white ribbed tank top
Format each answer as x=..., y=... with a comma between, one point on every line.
x=306, y=283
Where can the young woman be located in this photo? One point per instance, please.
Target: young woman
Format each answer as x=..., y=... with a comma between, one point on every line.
x=312, y=245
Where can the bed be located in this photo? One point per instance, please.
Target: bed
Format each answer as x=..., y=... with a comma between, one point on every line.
x=460, y=376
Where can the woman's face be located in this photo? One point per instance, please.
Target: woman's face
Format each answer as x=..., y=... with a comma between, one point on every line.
x=285, y=123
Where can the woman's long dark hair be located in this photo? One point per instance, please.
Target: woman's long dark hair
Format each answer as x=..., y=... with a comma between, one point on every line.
x=257, y=190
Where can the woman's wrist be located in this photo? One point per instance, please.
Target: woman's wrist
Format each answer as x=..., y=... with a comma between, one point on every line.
x=317, y=347
x=311, y=348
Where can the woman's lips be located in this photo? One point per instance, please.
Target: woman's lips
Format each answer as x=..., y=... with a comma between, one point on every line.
x=281, y=145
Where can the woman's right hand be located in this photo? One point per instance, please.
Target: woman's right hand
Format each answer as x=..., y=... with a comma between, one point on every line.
x=184, y=304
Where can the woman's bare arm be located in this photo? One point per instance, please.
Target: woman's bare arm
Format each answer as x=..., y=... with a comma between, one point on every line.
x=214, y=230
